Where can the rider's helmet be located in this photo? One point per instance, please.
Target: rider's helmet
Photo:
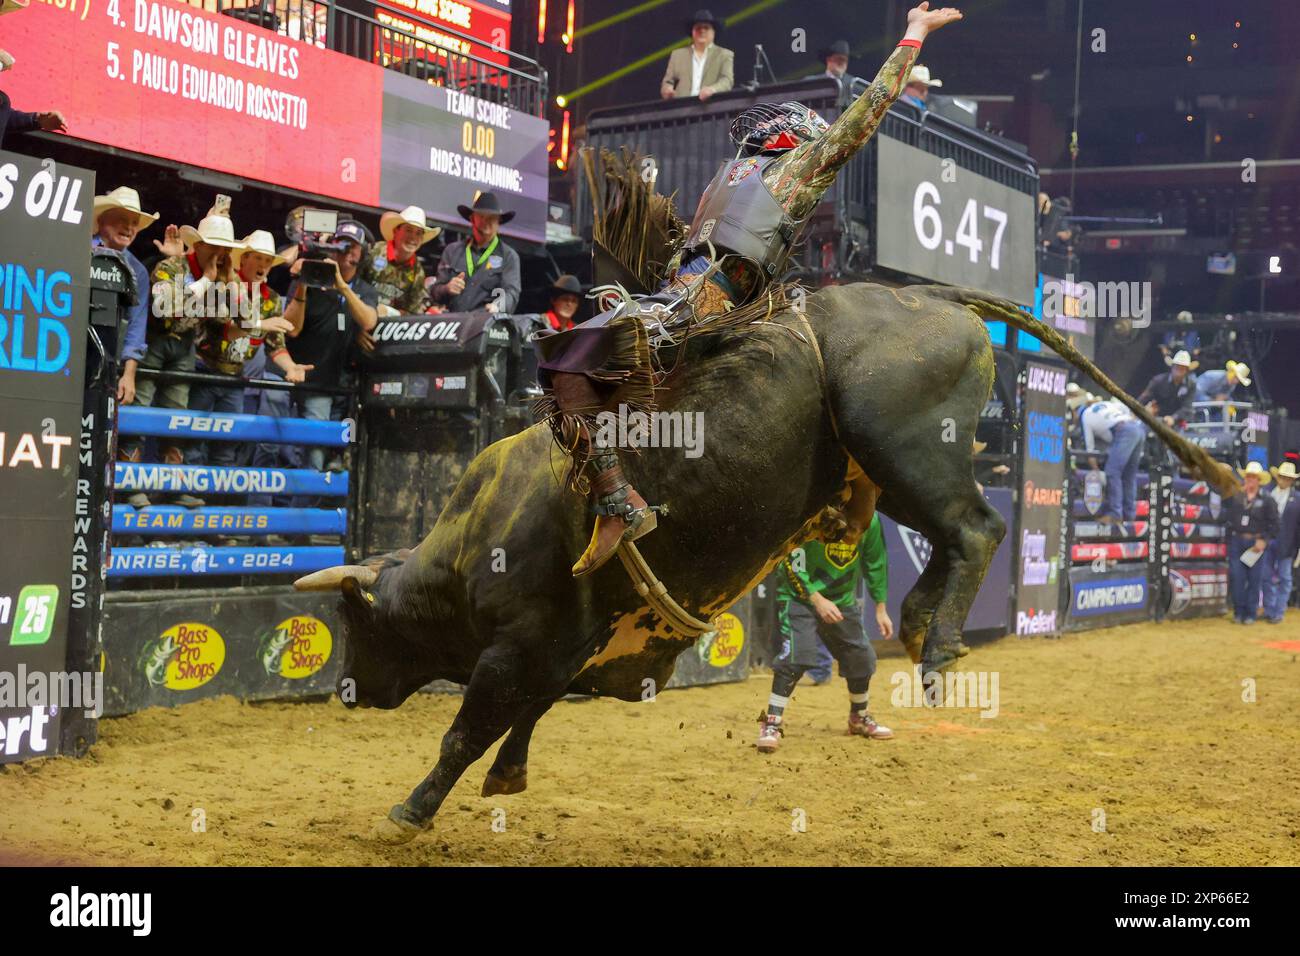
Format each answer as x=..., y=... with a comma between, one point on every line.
x=775, y=127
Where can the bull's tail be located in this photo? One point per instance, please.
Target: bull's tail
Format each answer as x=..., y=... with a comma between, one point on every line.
x=1195, y=458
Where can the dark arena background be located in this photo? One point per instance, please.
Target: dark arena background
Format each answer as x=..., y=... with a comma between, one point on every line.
x=278, y=282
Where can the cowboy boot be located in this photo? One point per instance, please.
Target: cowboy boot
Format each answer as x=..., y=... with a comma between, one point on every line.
x=621, y=513
x=172, y=455
x=139, y=499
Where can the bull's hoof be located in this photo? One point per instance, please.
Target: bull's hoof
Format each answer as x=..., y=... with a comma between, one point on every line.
x=397, y=828
x=941, y=659
x=512, y=779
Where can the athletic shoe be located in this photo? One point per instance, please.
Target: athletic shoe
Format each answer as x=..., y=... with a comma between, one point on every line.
x=139, y=500
x=190, y=501
x=1275, y=620
x=769, y=734
x=1249, y=620
x=864, y=725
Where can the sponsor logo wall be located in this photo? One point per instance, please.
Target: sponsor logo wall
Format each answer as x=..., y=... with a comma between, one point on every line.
x=1038, y=588
x=44, y=266
x=260, y=647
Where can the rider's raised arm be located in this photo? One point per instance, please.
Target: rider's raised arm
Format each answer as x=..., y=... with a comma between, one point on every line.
x=805, y=173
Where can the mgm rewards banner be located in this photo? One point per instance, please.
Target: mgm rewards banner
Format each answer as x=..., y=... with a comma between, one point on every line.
x=44, y=270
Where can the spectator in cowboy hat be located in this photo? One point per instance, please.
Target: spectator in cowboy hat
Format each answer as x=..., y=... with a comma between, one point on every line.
x=257, y=321
x=184, y=296
x=700, y=69
x=1170, y=393
x=918, y=86
x=116, y=220
x=1218, y=385
x=392, y=265
x=1250, y=522
x=16, y=121
x=1280, y=556
x=481, y=272
x=836, y=59
x=566, y=297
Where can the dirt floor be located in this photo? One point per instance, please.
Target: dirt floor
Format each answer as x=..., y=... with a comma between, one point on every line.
x=1125, y=746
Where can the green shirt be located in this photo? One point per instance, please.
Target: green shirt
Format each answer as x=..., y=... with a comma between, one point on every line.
x=834, y=570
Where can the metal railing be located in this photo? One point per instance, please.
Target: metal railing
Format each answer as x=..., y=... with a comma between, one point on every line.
x=391, y=36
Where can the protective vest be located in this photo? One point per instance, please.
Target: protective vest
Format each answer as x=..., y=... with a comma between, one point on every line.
x=741, y=217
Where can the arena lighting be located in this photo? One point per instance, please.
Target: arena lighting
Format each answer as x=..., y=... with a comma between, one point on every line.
x=658, y=55
x=561, y=101
x=568, y=32
x=1275, y=264
x=564, y=140
x=541, y=22
x=618, y=17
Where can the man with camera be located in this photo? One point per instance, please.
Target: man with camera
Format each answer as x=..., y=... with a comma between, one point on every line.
x=324, y=319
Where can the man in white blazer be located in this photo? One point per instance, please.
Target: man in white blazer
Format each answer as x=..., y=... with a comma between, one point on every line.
x=701, y=69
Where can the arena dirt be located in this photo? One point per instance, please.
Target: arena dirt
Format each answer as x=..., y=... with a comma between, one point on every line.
x=1144, y=724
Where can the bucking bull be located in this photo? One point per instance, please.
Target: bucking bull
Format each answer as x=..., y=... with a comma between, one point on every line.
x=894, y=382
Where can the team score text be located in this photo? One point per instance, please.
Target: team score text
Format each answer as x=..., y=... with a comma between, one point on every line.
x=928, y=224
x=1221, y=898
x=273, y=559
x=478, y=140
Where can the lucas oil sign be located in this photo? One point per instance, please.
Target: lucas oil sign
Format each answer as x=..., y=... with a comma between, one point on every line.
x=45, y=213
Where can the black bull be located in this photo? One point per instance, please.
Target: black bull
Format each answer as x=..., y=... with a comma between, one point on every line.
x=487, y=599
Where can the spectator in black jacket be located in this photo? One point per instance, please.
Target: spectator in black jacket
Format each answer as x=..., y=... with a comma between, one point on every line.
x=16, y=121
x=1170, y=394
x=1250, y=523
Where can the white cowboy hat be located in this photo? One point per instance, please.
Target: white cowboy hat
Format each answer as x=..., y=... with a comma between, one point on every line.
x=1182, y=357
x=215, y=230
x=259, y=241
x=921, y=74
x=123, y=197
x=1285, y=470
x=411, y=216
x=1256, y=469
x=1241, y=369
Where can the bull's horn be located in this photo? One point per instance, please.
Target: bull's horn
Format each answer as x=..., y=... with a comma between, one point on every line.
x=331, y=579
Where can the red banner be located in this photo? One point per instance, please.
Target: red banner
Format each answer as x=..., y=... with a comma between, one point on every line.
x=167, y=79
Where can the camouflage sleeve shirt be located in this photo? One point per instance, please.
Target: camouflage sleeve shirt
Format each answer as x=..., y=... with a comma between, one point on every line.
x=181, y=296
x=226, y=346
x=799, y=178
x=400, y=284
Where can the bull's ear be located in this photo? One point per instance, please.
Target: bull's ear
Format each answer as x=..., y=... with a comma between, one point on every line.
x=357, y=596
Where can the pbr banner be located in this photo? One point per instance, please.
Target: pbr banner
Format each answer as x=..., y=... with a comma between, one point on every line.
x=1040, y=553
x=203, y=561
x=44, y=273
x=174, y=520
x=215, y=480
x=220, y=426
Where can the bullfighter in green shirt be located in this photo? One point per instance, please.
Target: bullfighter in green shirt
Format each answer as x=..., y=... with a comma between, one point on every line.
x=817, y=603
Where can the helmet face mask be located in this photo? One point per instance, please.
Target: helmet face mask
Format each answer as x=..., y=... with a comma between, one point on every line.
x=775, y=127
